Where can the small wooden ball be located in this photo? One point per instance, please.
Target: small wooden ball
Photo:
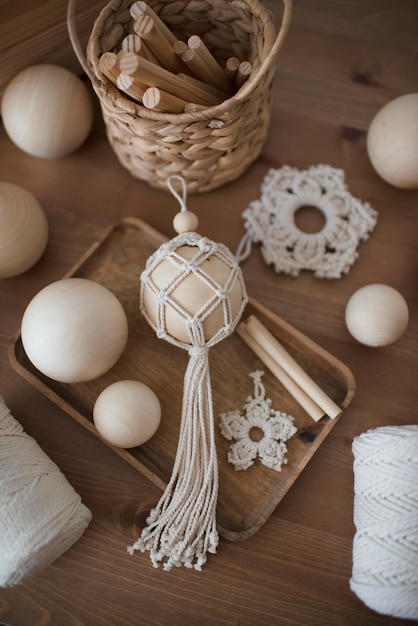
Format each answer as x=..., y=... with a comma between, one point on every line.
x=23, y=230
x=192, y=294
x=185, y=222
x=47, y=111
x=377, y=315
x=74, y=330
x=392, y=142
x=127, y=413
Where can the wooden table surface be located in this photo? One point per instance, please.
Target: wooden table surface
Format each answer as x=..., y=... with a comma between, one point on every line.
x=342, y=61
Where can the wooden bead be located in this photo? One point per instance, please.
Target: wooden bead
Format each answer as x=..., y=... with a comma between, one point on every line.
x=185, y=222
x=127, y=413
x=377, y=315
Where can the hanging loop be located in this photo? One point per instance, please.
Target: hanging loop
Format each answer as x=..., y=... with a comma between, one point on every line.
x=181, y=199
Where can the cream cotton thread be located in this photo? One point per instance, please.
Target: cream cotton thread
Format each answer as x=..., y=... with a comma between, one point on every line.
x=270, y=220
x=385, y=545
x=41, y=515
x=276, y=426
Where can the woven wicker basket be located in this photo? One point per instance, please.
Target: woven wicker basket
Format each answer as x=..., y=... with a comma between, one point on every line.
x=208, y=148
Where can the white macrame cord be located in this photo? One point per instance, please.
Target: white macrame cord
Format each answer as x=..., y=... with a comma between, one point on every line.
x=385, y=547
x=41, y=515
x=181, y=199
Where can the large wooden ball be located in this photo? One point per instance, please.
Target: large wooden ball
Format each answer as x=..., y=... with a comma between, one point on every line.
x=74, y=330
x=392, y=142
x=192, y=295
x=23, y=230
x=47, y=111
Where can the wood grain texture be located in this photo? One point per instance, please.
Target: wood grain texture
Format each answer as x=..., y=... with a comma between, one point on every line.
x=32, y=33
x=341, y=62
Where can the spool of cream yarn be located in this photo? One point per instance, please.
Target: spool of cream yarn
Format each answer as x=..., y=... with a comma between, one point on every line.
x=41, y=515
x=385, y=547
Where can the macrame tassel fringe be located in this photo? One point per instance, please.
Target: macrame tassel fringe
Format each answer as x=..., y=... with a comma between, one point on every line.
x=181, y=529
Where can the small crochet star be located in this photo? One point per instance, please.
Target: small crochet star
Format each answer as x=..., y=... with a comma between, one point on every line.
x=258, y=433
x=270, y=221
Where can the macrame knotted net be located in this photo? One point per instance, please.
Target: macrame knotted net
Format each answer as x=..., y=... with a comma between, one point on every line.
x=181, y=529
x=270, y=221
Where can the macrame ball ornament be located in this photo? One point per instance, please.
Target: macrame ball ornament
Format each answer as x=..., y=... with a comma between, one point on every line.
x=192, y=295
x=192, y=291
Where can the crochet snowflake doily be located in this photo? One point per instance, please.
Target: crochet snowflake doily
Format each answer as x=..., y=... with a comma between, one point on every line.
x=270, y=220
x=275, y=427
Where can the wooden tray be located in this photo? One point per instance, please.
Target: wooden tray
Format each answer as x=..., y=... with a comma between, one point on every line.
x=246, y=498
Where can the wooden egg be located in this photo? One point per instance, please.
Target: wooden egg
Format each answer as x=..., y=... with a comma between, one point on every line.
x=47, y=111
x=23, y=230
x=74, y=330
x=127, y=413
x=377, y=315
x=392, y=142
x=192, y=294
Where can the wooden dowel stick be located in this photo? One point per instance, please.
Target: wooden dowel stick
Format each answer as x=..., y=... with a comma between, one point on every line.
x=313, y=410
x=110, y=39
x=148, y=54
x=231, y=68
x=143, y=25
x=156, y=76
x=279, y=354
x=108, y=64
x=140, y=8
x=159, y=100
x=213, y=68
x=160, y=46
x=180, y=47
x=244, y=71
x=137, y=9
x=200, y=85
x=131, y=86
x=198, y=68
x=132, y=43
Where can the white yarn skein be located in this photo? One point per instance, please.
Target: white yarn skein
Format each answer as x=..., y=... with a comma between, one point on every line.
x=385, y=547
x=41, y=515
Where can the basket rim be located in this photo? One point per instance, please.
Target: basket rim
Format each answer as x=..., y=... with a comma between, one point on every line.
x=89, y=62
